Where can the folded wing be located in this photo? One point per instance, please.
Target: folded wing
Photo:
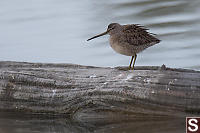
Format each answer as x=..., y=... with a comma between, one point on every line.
x=138, y=35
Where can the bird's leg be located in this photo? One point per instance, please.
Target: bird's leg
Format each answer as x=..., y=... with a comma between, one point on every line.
x=131, y=62
x=134, y=61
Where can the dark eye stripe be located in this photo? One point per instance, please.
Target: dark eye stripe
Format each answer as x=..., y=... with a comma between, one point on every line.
x=112, y=25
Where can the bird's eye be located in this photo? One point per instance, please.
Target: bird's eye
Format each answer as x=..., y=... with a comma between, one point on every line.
x=111, y=27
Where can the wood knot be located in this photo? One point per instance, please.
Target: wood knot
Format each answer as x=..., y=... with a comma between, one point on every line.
x=163, y=67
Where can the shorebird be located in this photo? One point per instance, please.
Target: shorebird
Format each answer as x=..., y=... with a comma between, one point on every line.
x=129, y=39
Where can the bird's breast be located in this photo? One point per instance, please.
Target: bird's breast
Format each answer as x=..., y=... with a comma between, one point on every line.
x=120, y=46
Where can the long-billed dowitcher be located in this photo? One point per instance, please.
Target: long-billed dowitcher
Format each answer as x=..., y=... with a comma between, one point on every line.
x=129, y=39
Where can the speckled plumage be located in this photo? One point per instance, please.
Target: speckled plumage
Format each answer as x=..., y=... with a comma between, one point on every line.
x=129, y=39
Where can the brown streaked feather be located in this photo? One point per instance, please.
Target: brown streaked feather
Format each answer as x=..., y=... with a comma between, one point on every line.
x=135, y=34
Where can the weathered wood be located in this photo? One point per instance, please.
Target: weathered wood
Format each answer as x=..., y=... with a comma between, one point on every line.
x=98, y=92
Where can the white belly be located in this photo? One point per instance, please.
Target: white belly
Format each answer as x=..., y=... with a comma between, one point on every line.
x=122, y=48
x=127, y=49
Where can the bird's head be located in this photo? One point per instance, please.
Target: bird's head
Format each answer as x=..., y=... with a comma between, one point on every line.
x=112, y=29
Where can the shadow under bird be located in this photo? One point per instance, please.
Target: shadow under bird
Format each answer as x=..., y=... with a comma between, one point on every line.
x=129, y=39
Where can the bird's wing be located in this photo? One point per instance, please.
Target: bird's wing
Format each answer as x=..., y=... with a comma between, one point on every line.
x=135, y=34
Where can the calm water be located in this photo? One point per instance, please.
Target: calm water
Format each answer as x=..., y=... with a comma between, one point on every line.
x=19, y=123
x=56, y=31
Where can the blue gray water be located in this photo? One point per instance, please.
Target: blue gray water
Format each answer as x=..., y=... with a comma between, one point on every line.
x=55, y=31
x=19, y=123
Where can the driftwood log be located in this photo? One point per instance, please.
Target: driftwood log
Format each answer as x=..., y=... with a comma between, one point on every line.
x=86, y=92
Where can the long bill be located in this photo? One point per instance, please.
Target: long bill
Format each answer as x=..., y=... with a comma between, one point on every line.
x=98, y=35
